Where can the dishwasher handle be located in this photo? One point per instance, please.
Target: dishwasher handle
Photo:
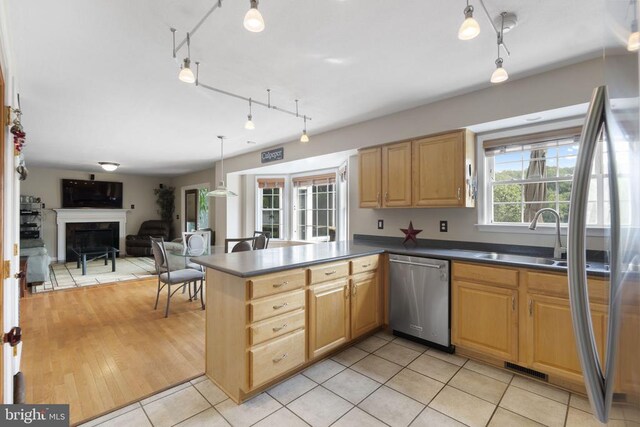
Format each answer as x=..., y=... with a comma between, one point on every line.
x=436, y=266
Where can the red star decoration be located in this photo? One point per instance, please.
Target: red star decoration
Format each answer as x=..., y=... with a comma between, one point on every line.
x=410, y=233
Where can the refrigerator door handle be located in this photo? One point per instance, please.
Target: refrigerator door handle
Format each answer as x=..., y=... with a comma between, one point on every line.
x=576, y=255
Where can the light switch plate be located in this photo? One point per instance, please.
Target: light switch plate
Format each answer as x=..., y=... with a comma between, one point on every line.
x=444, y=226
x=380, y=224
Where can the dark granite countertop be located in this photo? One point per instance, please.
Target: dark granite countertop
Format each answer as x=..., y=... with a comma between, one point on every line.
x=255, y=263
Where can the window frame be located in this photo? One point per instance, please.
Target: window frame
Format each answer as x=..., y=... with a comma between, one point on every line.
x=284, y=202
x=294, y=209
x=484, y=185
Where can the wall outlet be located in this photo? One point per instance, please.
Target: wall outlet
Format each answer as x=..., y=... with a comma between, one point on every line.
x=444, y=226
x=133, y=206
x=177, y=216
x=43, y=206
x=380, y=224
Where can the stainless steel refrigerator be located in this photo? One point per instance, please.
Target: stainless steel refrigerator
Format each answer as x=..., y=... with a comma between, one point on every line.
x=612, y=379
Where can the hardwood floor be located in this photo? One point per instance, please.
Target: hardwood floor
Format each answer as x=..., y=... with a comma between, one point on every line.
x=103, y=347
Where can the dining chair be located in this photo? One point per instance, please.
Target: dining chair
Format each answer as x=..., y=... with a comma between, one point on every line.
x=169, y=278
x=262, y=239
x=240, y=244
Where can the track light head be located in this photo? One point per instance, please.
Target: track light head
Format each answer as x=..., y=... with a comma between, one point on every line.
x=633, y=42
x=304, y=137
x=499, y=74
x=470, y=27
x=249, y=125
x=253, y=20
x=186, y=75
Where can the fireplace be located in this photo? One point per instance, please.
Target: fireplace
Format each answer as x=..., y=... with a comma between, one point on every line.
x=90, y=235
x=89, y=216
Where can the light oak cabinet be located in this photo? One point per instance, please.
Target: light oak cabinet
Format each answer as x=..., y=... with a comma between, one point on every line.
x=443, y=168
x=396, y=175
x=365, y=306
x=433, y=171
x=370, y=183
x=329, y=309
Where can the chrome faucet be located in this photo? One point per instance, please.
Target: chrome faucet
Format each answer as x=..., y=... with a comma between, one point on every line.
x=558, y=249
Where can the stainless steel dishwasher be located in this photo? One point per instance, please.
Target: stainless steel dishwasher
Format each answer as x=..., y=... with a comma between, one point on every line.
x=419, y=299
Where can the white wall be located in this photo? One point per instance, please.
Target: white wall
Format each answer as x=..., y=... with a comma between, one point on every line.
x=558, y=88
x=137, y=190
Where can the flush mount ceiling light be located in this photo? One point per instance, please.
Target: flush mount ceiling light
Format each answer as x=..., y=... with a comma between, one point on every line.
x=249, y=125
x=221, y=189
x=633, y=43
x=109, y=166
x=470, y=27
x=500, y=74
x=253, y=20
x=304, y=137
x=186, y=75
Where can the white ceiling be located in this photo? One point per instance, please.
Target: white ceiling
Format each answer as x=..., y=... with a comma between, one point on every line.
x=98, y=82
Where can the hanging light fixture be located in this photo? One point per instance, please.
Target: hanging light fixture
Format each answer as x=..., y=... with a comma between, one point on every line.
x=470, y=27
x=253, y=20
x=633, y=43
x=304, y=137
x=249, y=125
x=186, y=75
x=221, y=189
x=109, y=166
x=500, y=74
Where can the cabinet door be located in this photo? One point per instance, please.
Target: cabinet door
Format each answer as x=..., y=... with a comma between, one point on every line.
x=396, y=175
x=370, y=177
x=551, y=343
x=328, y=317
x=439, y=170
x=485, y=319
x=364, y=304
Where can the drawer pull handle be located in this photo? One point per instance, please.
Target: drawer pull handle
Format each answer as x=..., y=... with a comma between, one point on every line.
x=276, y=329
x=279, y=285
x=278, y=307
x=278, y=359
x=329, y=273
x=366, y=265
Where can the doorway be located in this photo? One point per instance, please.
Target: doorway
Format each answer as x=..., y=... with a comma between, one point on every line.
x=196, y=208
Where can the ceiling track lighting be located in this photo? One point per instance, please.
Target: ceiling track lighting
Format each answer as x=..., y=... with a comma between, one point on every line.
x=633, y=42
x=253, y=20
x=186, y=75
x=109, y=166
x=470, y=27
x=500, y=75
x=221, y=190
x=249, y=125
x=304, y=137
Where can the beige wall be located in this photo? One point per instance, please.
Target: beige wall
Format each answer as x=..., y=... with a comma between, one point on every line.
x=46, y=183
x=180, y=183
x=558, y=88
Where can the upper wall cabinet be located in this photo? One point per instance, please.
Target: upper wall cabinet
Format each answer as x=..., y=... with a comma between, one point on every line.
x=370, y=166
x=443, y=169
x=434, y=171
x=396, y=175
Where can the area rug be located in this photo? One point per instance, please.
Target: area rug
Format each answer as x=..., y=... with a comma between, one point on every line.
x=68, y=275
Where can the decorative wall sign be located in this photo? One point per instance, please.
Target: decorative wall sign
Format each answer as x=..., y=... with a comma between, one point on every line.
x=410, y=234
x=272, y=155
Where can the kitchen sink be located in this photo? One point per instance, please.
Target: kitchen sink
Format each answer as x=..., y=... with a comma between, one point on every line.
x=516, y=258
x=564, y=264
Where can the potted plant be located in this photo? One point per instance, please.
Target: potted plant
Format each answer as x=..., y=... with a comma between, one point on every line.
x=166, y=201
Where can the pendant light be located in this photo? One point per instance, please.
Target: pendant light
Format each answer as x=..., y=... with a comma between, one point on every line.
x=253, y=20
x=304, y=137
x=109, y=166
x=470, y=27
x=221, y=189
x=633, y=43
x=249, y=125
x=186, y=75
x=500, y=74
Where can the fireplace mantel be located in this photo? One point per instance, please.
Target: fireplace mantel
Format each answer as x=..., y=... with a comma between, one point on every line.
x=65, y=216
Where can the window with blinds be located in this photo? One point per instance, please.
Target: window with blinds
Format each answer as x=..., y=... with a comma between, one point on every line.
x=314, y=210
x=531, y=172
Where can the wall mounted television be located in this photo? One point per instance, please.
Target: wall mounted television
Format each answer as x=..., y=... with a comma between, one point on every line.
x=77, y=193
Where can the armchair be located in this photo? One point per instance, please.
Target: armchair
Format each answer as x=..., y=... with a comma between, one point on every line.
x=140, y=244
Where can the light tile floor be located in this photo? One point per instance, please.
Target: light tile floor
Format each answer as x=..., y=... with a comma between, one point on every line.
x=380, y=381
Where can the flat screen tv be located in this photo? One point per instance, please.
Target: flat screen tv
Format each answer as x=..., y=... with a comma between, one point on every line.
x=77, y=193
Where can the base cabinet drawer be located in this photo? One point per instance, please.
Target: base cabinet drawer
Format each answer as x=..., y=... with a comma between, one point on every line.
x=275, y=327
x=276, y=283
x=364, y=264
x=269, y=360
x=326, y=272
x=280, y=304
